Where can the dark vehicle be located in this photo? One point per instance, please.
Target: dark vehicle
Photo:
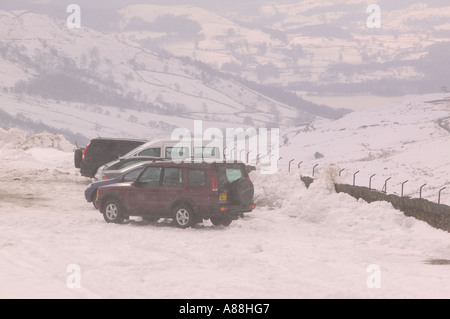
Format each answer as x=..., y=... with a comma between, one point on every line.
x=100, y=151
x=186, y=192
x=128, y=174
x=115, y=168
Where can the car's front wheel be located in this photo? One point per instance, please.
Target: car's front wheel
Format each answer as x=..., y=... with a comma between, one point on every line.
x=183, y=216
x=113, y=211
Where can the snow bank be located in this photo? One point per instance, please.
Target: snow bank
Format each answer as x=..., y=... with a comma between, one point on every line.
x=342, y=216
x=15, y=138
x=44, y=156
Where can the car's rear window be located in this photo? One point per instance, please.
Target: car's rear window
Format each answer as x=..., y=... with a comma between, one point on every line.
x=229, y=173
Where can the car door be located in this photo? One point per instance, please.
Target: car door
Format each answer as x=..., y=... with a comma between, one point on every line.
x=171, y=189
x=144, y=192
x=198, y=190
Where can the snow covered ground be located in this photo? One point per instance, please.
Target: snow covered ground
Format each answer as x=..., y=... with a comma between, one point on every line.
x=298, y=243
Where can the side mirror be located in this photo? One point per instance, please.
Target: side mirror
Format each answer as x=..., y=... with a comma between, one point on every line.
x=136, y=183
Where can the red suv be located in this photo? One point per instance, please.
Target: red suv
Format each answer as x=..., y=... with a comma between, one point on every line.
x=186, y=192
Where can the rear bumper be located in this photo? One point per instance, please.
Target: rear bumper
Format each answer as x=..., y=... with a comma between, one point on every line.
x=85, y=171
x=225, y=209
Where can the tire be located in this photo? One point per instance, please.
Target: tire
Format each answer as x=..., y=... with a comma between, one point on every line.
x=221, y=221
x=183, y=216
x=113, y=212
x=78, y=155
x=243, y=191
x=94, y=172
x=226, y=221
x=93, y=198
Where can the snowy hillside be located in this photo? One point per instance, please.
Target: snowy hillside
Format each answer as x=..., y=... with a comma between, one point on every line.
x=298, y=243
x=306, y=46
x=407, y=141
x=69, y=79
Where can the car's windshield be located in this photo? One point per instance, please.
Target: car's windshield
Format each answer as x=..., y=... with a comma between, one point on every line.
x=131, y=176
x=110, y=164
x=135, y=151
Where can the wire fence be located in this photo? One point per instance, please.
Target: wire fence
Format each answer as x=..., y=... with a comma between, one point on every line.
x=439, y=194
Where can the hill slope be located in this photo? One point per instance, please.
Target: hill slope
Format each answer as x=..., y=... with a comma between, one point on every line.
x=97, y=82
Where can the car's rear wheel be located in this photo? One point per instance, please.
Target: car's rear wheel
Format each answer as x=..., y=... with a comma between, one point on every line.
x=221, y=221
x=78, y=155
x=113, y=211
x=183, y=216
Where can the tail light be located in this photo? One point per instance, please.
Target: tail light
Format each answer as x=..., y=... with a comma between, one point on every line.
x=214, y=184
x=84, y=151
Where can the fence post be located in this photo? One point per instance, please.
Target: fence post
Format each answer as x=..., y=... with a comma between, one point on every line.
x=439, y=199
x=420, y=194
x=354, y=177
x=290, y=162
x=240, y=155
x=314, y=169
x=385, y=185
x=370, y=181
x=233, y=155
x=403, y=184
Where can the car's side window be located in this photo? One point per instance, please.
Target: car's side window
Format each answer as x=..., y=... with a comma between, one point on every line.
x=177, y=152
x=151, y=176
x=131, y=176
x=156, y=152
x=206, y=152
x=173, y=177
x=197, y=177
